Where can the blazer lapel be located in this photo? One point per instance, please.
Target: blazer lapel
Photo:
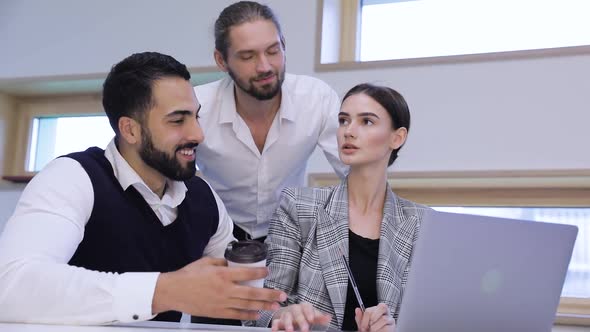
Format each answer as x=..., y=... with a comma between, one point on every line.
x=393, y=256
x=332, y=240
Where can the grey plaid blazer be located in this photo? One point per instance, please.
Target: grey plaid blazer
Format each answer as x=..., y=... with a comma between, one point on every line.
x=304, y=260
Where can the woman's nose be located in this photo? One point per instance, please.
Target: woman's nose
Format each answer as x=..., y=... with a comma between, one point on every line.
x=349, y=130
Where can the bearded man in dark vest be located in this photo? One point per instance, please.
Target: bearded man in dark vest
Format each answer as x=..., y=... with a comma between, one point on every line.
x=128, y=233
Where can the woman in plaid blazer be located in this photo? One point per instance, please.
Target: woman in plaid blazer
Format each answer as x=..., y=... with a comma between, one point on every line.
x=361, y=218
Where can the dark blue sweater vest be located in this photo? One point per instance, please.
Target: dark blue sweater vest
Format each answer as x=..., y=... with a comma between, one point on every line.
x=124, y=235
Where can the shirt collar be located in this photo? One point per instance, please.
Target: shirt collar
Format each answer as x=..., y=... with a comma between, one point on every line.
x=287, y=109
x=227, y=102
x=126, y=175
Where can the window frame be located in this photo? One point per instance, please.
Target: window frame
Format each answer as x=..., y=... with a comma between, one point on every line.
x=22, y=99
x=27, y=109
x=562, y=188
x=348, y=19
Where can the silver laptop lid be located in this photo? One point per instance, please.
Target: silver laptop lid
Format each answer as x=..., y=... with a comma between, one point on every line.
x=476, y=273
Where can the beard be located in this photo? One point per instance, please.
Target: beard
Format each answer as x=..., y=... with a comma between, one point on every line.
x=164, y=163
x=265, y=92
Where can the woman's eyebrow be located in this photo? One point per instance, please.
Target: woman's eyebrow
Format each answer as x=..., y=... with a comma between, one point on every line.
x=369, y=114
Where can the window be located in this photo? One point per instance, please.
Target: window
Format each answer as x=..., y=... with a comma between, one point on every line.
x=550, y=196
x=411, y=29
x=48, y=127
x=52, y=137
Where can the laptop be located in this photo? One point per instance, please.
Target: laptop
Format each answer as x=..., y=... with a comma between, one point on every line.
x=475, y=273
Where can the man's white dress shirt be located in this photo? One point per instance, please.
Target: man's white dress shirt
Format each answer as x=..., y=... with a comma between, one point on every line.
x=250, y=182
x=44, y=232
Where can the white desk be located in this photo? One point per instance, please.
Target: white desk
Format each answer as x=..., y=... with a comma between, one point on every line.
x=134, y=327
x=170, y=327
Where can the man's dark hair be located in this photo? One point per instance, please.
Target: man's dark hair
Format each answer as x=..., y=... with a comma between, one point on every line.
x=393, y=102
x=238, y=13
x=127, y=90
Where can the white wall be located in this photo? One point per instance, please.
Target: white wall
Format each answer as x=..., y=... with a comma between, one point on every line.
x=66, y=37
x=519, y=114
x=9, y=195
x=505, y=114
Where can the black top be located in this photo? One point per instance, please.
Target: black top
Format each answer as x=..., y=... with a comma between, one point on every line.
x=124, y=234
x=363, y=255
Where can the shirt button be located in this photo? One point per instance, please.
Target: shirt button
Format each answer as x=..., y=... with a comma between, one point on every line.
x=135, y=317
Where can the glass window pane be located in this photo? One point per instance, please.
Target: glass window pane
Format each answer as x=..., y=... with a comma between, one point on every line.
x=428, y=28
x=577, y=281
x=56, y=136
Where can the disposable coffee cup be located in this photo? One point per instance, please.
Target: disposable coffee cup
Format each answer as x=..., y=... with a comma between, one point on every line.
x=248, y=253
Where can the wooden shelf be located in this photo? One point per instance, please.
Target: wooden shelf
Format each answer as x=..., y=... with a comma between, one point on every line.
x=18, y=179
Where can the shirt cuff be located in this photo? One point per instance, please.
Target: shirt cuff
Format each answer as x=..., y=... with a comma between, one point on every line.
x=133, y=295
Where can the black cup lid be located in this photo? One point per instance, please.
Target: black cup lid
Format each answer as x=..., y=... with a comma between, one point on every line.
x=245, y=252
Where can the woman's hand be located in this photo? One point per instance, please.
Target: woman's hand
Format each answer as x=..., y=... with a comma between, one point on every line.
x=374, y=319
x=299, y=316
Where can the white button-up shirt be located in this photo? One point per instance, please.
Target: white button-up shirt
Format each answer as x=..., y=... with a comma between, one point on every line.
x=37, y=284
x=250, y=182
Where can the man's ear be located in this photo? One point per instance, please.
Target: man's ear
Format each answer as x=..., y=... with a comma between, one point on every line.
x=219, y=60
x=398, y=138
x=130, y=130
